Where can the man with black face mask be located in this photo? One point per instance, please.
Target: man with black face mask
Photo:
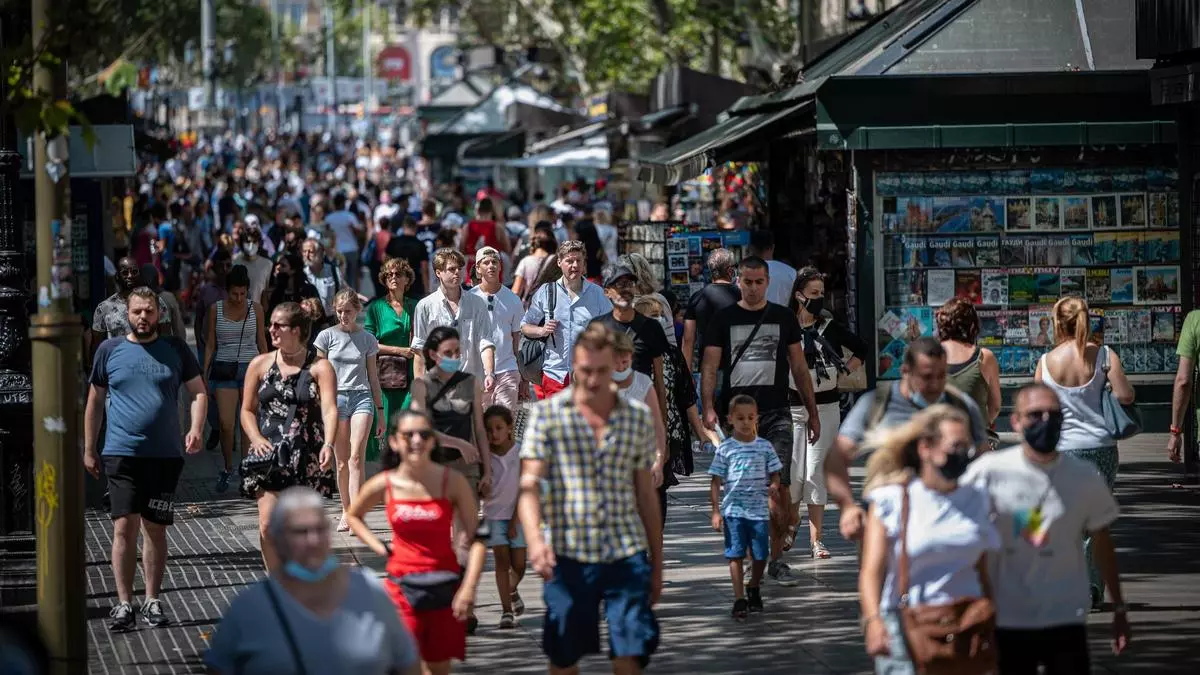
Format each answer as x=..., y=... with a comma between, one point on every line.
x=111, y=317
x=1044, y=502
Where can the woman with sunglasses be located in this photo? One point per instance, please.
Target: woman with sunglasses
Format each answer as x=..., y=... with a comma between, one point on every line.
x=290, y=415
x=422, y=499
x=288, y=283
x=389, y=319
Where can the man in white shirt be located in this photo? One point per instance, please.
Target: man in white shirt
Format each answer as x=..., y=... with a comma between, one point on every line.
x=464, y=312
x=505, y=310
x=347, y=228
x=782, y=275
x=1045, y=503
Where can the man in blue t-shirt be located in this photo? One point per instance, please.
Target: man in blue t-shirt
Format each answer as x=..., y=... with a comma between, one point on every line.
x=138, y=376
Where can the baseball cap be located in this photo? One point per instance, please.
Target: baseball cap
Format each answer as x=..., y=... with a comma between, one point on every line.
x=616, y=272
x=485, y=252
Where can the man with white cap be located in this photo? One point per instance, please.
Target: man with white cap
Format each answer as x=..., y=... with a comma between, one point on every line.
x=505, y=310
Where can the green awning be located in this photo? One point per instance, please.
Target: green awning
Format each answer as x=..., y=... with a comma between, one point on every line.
x=997, y=135
x=691, y=157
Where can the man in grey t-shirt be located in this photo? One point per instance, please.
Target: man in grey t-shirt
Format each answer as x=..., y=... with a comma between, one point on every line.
x=922, y=384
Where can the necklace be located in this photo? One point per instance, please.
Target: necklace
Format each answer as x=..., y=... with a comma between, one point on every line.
x=287, y=355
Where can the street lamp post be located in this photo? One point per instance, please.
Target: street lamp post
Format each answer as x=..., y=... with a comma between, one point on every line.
x=55, y=331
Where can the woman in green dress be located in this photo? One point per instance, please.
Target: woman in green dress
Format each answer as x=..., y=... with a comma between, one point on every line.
x=389, y=319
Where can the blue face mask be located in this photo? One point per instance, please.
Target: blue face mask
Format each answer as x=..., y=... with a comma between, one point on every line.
x=301, y=573
x=918, y=399
x=449, y=365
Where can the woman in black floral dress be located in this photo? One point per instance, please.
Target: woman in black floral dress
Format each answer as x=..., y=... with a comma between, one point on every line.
x=289, y=413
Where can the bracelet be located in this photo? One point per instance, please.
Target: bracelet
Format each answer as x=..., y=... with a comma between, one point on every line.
x=866, y=620
x=1176, y=431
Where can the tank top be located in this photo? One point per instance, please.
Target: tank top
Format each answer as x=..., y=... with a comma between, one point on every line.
x=420, y=533
x=480, y=233
x=1083, y=423
x=967, y=377
x=452, y=413
x=638, y=390
x=236, y=340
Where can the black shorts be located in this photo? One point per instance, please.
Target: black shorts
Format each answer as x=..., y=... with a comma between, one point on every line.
x=144, y=486
x=172, y=277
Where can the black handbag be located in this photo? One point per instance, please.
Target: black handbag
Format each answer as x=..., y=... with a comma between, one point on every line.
x=281, y=453
x=428, y=591
x=531, y=356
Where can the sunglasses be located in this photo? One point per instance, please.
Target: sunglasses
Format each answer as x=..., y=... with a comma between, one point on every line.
x=281, y=326
x=491, y=303
x=421, y=434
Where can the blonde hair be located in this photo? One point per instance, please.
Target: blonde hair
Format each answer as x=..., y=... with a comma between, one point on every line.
x=895, y=458
x=347, y=296
x=648, y=306
x=622, y=343
x=445, y=256
x=1071, y=321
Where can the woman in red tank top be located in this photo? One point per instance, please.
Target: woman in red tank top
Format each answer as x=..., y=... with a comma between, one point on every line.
x=422, y=499
x=485, y=230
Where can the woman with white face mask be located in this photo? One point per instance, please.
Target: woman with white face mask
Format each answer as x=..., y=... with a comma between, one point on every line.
x=312, y=615
x=635, y=386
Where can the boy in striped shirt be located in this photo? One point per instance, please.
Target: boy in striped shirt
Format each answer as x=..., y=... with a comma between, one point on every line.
x=749, y=468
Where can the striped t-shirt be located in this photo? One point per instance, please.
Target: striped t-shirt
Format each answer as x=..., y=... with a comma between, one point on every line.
x=745, y=467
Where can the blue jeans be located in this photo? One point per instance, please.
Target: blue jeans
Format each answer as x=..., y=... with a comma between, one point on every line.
x=742, y=534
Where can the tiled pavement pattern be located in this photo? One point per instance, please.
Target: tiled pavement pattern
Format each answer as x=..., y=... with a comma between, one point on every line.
x=811, y=628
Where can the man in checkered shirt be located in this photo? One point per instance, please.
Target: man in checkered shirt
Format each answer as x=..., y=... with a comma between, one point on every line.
x=600, y=538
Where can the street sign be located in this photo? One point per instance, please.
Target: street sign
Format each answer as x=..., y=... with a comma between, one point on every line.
x=394, y=64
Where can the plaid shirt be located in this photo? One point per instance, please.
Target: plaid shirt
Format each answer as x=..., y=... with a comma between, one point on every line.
x=590, y=504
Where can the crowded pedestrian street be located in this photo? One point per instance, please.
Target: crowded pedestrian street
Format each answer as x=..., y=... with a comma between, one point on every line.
x=809, y=628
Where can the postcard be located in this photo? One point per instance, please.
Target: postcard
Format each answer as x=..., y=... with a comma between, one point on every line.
x=1158, y=209
x=1047, y=213
x=678, y=245
x=676, y=262
x=1133, y=210
x=1019, y=216
x=1104, y=212
x=1077, y=212
x=1157, y=285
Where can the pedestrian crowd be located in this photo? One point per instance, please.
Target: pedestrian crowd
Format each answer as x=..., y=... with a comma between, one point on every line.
x=526, y=390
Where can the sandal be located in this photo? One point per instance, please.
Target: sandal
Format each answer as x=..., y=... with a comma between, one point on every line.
x=819, y=551
x=789, y=539
x=342, y=525
x=741, y=609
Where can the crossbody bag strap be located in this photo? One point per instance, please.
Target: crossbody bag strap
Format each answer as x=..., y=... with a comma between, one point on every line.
x=903, y=577
x=450, y=384
x=750, y=338
x=287, y=629
x=242, y=334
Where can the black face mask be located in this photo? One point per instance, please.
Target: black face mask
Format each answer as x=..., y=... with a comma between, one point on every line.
x=955, y=466
x=1042, y=435
x=814, y=305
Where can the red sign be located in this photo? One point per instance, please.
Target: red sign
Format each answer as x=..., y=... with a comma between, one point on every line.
x=394, y=64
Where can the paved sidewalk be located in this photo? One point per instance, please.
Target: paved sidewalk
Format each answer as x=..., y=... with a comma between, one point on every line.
x=811, y=628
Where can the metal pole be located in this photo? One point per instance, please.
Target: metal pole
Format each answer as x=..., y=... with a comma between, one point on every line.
x=368, y=70
x=275, y=55
x=57, y=457
x=330, y=66
x=208, y=38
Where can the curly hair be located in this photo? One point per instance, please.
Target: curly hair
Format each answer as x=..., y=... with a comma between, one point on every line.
x=395, y=266
x=957, y=320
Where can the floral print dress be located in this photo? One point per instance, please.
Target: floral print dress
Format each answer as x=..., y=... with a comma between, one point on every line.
x=299, y=444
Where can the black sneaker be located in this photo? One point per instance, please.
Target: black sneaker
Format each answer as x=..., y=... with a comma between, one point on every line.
x=153, y=615
x=223, y=481
x=754, y=599
x=123, y=618
x=740, y=609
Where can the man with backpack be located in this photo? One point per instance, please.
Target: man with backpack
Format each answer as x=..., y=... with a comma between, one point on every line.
x=922, y=383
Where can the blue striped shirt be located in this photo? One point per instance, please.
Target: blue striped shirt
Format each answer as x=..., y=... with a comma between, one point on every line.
x=745, y=468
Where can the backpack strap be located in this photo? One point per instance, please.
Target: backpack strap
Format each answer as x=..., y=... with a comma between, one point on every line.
x=879, y=404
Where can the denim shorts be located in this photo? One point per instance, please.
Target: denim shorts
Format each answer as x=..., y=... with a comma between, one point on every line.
x=743, y=533
x=231, y=384
x=357, y=402
x=573, y=599
x=499, y=535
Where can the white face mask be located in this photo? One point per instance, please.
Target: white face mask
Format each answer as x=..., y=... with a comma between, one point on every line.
x=622, y=375
x=250, y=249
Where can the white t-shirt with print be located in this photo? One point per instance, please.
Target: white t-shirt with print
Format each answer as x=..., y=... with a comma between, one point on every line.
x=507, y=310
x=1040, y=574
x=946, y=535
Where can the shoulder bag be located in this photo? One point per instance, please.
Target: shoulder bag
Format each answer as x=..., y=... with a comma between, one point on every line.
x=393, y=369
x=532, y=354
x=1122, y=421
x=954, y=639
x=443, y=455
x=293, y=646
x=281, y=453
x=749, y=338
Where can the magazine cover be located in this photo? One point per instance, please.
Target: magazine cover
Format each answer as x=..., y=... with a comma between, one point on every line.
x=1081, y=250
x=992, y=324
x=951, y=214
x=995, y=287
x=1157, y=207
x=1070, y=280
x=1129, y=247
x=968, y=286
x=1077, y=213
x=1154, y=247
x=962, y=252
x=1104, y=247
x=1104, y=212
x=1019, y=216
x=1115, y=326
x=1096, y=321
x=1037, y=251
x=987, y=214
x=1004, y=357
x=1048, y=285
x=905, y=287
x=940, y=286
x=1021, y=357
x=939, y=252
x=1012, y=251
x=1047, y=213
x=1058, y=250
x=1173, y=210
x=1041, y=327
x=1022, y=287
x=1166, y=324
x=1133, y=210
x=916, y=251
x=889, y=325
x=890, y=359
x=987, y=251
x=1138, y=324
x=1154, y=359
x=1121, y=283
x=1097, y=286
x=917, y=214
x=916, y=322
x=1016, y=330
x=893, y=251
x=1158, y=285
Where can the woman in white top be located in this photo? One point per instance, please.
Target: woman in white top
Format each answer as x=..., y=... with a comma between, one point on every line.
x=352, y=352
x=1076, y=370
x=635, y=386
x=948, y=532
x=236, y=334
